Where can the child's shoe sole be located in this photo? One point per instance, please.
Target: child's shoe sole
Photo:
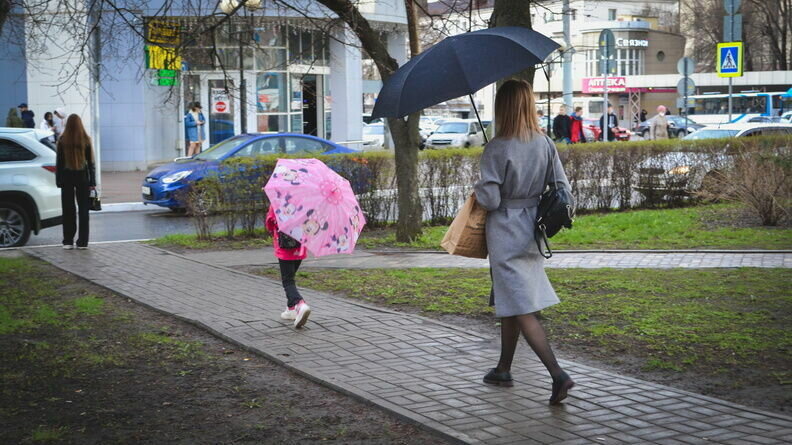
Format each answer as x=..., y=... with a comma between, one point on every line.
x=302, y=318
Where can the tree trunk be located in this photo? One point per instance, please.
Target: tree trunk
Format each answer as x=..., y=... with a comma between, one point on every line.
x=408, y=226
x=514, y=13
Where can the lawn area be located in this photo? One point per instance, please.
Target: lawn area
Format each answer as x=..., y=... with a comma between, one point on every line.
x=81, y=365
x=703, y=227
x=730, y=327
x=219, y=241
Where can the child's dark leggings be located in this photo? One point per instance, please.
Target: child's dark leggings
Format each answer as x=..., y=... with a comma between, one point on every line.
x=288, y=269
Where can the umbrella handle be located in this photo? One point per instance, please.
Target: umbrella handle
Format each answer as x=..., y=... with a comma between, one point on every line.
x=483, y=131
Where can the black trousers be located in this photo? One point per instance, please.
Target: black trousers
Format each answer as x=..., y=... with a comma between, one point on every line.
x=75, y=188
x=288, y=269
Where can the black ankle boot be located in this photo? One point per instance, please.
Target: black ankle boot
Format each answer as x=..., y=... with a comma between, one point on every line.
x=498, y=378
x=561, y=385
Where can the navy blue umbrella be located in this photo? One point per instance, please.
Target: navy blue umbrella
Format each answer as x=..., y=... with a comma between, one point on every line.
x=460, y=65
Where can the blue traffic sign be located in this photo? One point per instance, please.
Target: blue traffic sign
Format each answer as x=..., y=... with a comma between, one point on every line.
x=729, y=60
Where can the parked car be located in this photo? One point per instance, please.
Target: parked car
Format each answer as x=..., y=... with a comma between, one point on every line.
x=161, y=186
x=786, y=118
x=29, y=198
x=374, y=137
x=594, y=132
x=678, y=126
x=456, y=133
x=740, y=130
x=367, y=119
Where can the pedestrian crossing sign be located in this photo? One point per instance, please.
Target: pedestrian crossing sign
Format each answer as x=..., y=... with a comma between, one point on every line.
x=730, y=59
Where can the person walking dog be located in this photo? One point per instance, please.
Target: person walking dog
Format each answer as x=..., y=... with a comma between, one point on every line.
x=75, y=175
x=516, y=167
x=290, y=254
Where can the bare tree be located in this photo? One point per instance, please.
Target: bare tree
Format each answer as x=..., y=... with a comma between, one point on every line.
x=514, y=13
x=775, y=25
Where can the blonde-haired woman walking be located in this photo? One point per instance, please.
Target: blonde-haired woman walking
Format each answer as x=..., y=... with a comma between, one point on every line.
x=75, y=174
x=516, y=167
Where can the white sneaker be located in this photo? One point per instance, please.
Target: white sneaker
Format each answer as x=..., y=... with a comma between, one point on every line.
x=289, y=314
x=303, y=311
x=82, y=247
x=68, y=246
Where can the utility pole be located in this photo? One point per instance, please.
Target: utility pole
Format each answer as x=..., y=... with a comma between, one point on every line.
x=242, y=83
x=94, y=15
x=567, y=52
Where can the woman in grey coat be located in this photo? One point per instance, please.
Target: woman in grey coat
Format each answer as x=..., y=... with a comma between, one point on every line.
x=515, y=168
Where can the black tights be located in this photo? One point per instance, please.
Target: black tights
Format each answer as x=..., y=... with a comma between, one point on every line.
x=534, y=333
x=288, y=269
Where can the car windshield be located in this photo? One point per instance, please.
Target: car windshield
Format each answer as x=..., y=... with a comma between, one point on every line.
x=223, y=148
x=452, y=127
x=712, y=133
x=373, y=129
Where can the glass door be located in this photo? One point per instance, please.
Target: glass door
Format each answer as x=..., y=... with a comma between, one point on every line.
x=220, y=111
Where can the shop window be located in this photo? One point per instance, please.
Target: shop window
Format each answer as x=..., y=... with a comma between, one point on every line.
x=271, y=93
x=611, y=14
x=268, y=59
x=272, y=123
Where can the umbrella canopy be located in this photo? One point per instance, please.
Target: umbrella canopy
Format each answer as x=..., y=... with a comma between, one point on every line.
x=315, y=206
x=460, y=65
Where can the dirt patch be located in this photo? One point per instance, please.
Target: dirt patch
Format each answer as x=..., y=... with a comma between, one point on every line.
x=82, y=365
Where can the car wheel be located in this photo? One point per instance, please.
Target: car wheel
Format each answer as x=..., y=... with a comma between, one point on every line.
x=682, y=133
x=14, y=225
x=645, y=134
x=467, y=144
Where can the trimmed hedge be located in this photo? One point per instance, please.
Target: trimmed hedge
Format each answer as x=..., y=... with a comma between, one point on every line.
x=603, y=175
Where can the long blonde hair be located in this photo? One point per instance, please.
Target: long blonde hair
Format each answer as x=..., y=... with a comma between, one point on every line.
x=515, y=111
x=75, y=142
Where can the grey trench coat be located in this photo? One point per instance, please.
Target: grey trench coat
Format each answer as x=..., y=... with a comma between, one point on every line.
x=513, y=176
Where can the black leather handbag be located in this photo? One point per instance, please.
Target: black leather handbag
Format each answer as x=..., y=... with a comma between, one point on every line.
x=287, y=242
x=555, y=211
x=96, y=202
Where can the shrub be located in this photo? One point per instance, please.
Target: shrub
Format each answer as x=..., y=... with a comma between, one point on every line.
x=603, y=175
x=758, y=176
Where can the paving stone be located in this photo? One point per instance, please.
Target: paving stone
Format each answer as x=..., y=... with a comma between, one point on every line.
x=420, y=369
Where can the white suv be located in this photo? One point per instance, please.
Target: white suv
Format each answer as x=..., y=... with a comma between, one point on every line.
x=456, y=133
x=29, y=198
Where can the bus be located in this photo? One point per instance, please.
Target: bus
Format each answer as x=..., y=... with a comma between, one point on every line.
x=714, y=108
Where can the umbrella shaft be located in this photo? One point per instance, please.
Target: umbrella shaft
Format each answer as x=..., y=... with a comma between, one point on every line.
x=483, y=131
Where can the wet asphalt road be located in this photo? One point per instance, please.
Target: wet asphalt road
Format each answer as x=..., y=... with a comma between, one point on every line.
x=120, y=226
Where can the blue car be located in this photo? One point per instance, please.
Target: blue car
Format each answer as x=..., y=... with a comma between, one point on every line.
x=161, y=185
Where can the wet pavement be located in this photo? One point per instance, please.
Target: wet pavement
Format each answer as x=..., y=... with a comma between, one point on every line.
x=121, y=226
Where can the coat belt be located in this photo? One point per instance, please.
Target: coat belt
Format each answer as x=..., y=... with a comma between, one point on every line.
x=525, y=203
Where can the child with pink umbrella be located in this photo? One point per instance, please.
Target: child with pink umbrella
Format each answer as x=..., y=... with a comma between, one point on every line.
x=312, y=209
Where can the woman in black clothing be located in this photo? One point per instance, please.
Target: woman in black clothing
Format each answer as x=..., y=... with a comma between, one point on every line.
x=75, y=174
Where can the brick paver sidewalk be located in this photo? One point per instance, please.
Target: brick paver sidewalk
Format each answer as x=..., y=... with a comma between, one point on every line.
x=371, y=260
x=419, y=369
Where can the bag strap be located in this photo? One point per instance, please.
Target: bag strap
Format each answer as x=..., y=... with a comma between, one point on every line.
x=540, y=241
x=552, y=159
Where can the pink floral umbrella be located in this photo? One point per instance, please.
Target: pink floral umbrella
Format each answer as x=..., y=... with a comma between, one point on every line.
x=315, y=206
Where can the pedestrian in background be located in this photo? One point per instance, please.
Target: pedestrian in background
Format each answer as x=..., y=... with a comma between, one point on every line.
x=47, y=124
x=28, y=116
x=516, y=167
x=643, y=115
x=59, y=118
x=194, y=129
x=75, y=175
x=612, y=123
x=658, y=128
x=576, y=126
x=13, y=120
x=543, y=124
x=562, y=126
x=290, y=254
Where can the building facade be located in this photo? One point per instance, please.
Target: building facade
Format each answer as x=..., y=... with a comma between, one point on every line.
x=648, y=46
x=302, y=71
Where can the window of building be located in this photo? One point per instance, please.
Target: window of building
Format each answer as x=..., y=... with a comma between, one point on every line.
x=660, y=56
x=574, y=14
x=611, y=14
x=10, y=151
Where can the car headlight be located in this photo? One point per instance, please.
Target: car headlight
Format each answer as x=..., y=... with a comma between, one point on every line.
x=680, y=170
x=176, y=177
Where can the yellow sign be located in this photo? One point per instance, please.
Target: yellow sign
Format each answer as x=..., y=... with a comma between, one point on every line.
x=730, y=59
x=160, y=58
x=160, y=31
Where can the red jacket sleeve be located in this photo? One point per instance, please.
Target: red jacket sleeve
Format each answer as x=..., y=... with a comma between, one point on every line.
x=270, y=222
